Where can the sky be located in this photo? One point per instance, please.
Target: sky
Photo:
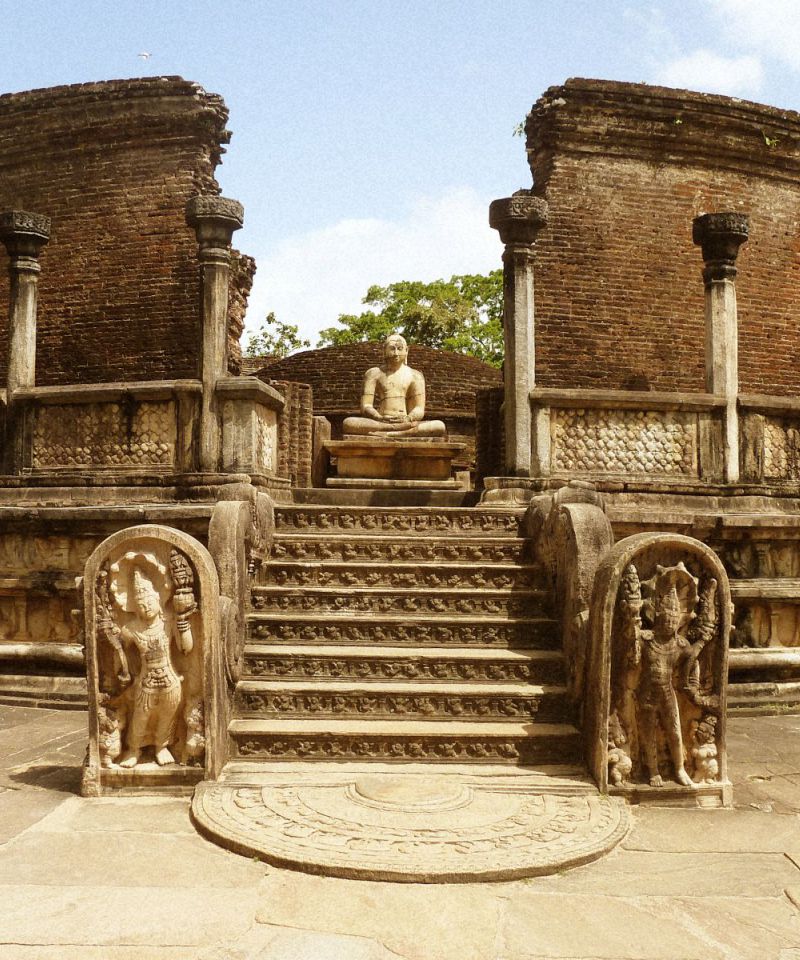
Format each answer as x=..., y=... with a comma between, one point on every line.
x=369, y=136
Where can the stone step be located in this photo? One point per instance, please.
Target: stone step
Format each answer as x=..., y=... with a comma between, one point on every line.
x=271, y=661
x=568, y=779
x=317, y=600
x=411, y=521
x=350, y=548
x=496, y=632
x=397, y=575
x=405, y=740
x=418, y=701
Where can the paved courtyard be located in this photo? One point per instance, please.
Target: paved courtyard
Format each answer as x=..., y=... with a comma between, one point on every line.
x=129, y=879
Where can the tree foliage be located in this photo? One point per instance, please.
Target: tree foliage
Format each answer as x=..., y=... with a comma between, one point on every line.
x=463, y=314
x=275, y=339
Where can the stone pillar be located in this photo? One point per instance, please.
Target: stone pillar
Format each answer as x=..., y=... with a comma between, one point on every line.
x=214, y=220
x=719, y=236
x=518, y=219
x=23, y=234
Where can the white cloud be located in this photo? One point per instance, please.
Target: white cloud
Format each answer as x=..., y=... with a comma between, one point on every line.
x=310, y=278
x=710, y=72
x=770, y=28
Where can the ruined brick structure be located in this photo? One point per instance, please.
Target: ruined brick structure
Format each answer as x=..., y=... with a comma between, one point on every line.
x=624, y=169
x=113, y=164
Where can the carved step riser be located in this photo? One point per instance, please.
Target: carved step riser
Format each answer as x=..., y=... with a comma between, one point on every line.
x=528, y=605
x=468, y=523
x=562, y=749
x=514, y=636
x=478, y=578
x=544, y=708
x=301, y=668
x=389, y=550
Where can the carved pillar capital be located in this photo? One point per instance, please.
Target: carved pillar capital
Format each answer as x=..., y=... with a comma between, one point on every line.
x=24, y=234
x=719, y=235
x=518, y=218
x=214, y=220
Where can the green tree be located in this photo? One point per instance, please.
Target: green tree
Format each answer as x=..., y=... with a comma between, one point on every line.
x=275, y=339
x=463, y=314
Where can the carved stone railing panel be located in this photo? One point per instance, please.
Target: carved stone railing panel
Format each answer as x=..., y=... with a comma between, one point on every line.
x=632, y=434
x=111, y=435
x=651, y=443
x=151, y=610
x=141, y=428
x=654, y=718
x=781, y=448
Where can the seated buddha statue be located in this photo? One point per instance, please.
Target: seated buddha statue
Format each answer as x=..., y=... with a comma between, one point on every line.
x=393, y=399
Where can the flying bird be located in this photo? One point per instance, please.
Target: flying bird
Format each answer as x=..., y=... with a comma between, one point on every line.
x=144, y=55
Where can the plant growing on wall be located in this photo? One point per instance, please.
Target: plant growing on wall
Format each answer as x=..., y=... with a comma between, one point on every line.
x=275, y=339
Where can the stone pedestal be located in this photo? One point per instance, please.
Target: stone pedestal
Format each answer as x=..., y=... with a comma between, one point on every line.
x=368, y=459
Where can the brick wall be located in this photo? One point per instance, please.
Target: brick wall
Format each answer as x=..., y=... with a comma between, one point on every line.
x=619, y=295
x=113, y=164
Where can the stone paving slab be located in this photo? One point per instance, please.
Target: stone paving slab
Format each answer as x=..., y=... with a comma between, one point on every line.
x=712, y=831
x=144, y=916
x=632, y=873
x=648, y=928
x=455, y=922
x=20, y=809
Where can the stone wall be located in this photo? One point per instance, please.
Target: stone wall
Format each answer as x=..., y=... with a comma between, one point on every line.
x=619, y=295
x=113, y=164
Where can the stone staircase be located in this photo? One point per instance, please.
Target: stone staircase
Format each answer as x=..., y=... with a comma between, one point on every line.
x=402, y=635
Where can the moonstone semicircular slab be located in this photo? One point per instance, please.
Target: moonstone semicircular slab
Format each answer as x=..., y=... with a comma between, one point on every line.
x=421, y=830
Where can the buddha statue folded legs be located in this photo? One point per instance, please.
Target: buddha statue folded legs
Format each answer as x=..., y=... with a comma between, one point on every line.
x=393, y=399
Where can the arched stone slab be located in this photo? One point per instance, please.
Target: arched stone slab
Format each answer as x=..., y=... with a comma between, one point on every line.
x=153, y=658
x=654, y=714
x=409, y=828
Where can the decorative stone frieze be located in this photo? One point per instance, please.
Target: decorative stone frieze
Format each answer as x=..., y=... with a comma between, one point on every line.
x=457, y=603
x=387, y=706
x=539, y=633
x=409, y=521
x=299, y=665
x=151, y=607
x=410, y=576
x=655, y=707
x=386, y=549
